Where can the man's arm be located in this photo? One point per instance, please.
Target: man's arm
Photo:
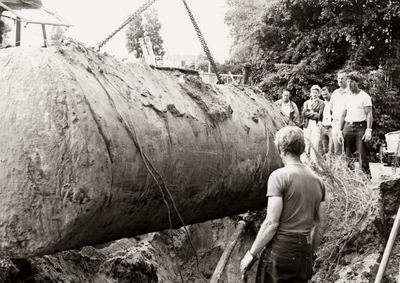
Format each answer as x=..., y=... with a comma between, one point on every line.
x=266, y=233
x=305, y=111
x=269, y=226
x=341, y=126
x=318, y=231
x=368, y=132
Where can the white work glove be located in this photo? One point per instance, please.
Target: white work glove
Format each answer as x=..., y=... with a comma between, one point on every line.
x=368, y=135
x=245, y=265
x=340, y=137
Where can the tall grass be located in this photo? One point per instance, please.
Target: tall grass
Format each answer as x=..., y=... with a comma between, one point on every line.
x=350, y=197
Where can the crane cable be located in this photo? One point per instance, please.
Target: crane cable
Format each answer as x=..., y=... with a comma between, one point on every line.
x=143, y=8
x=203, y=43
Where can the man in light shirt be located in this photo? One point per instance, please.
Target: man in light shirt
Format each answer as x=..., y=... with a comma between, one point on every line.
x=296, y=217
x=337, y=109
x=289, y=107
x=356, y=123
x=326, y=129
x=312, y=115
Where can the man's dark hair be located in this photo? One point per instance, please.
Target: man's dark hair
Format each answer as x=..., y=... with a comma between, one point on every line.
x=354, y=76
x=327, y=88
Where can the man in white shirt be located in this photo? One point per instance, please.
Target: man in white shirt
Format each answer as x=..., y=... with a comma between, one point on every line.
x=289, y=107
x=312, y=115
x=326, y=129
x=337, y=109
x=356, y=123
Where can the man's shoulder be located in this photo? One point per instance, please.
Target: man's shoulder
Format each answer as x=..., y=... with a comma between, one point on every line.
x=364, y=93
x=278, y=102
x=339, y=92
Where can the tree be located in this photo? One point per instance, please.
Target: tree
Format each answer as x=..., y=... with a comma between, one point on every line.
x=152, y=29
x=297, y=43
x=146, y=25
x=5, y=28
x=133, y=34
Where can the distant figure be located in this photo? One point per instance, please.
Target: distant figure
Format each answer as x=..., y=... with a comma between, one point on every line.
x=312, y=116
x=296, y=217
x=289, y=107
x=3, y=41
x=356, y=123
x=337, y=109
x=326, y=129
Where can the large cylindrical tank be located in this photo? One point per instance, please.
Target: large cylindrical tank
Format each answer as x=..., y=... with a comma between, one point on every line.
x=92, y=149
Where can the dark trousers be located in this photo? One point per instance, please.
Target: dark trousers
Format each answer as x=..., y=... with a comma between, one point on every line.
x=326, y=140
x=355, y=147
x=286, y=259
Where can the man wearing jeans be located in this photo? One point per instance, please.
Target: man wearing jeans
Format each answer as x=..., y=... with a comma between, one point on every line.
x=296, y=217
x=356, y=123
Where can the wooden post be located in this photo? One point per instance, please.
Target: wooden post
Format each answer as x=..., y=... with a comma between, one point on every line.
x=246, y=74
x=388, y=249
x=228, y=251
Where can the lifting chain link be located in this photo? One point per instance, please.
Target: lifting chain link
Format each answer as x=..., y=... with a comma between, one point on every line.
x=203, y=43
x=143, y=8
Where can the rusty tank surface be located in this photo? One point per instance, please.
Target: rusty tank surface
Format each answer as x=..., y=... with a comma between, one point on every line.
x=95, y=149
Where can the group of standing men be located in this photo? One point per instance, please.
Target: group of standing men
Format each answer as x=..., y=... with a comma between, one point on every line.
x=296, y=212
x=339, y=123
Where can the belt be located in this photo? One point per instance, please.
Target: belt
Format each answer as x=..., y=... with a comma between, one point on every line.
x=327, y=126
x=298, y=237
x=357, y=122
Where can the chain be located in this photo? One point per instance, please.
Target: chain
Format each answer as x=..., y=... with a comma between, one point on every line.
x=203, y=43
x=143, y=8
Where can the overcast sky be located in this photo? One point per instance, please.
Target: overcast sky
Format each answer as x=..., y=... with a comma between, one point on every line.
x=94, y=20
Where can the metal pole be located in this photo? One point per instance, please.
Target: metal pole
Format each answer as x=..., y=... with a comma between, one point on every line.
x=44, y=35
x=388, y=249
x=18, y=33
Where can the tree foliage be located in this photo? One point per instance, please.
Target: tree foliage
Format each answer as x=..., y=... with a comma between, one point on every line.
x=56, y=34
x=295, y=44
x=142, y=26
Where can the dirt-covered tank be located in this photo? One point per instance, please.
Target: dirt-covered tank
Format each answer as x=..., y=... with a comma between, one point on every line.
x=94, y=149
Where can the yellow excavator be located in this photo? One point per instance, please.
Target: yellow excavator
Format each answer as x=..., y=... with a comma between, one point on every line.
x=30, y=12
